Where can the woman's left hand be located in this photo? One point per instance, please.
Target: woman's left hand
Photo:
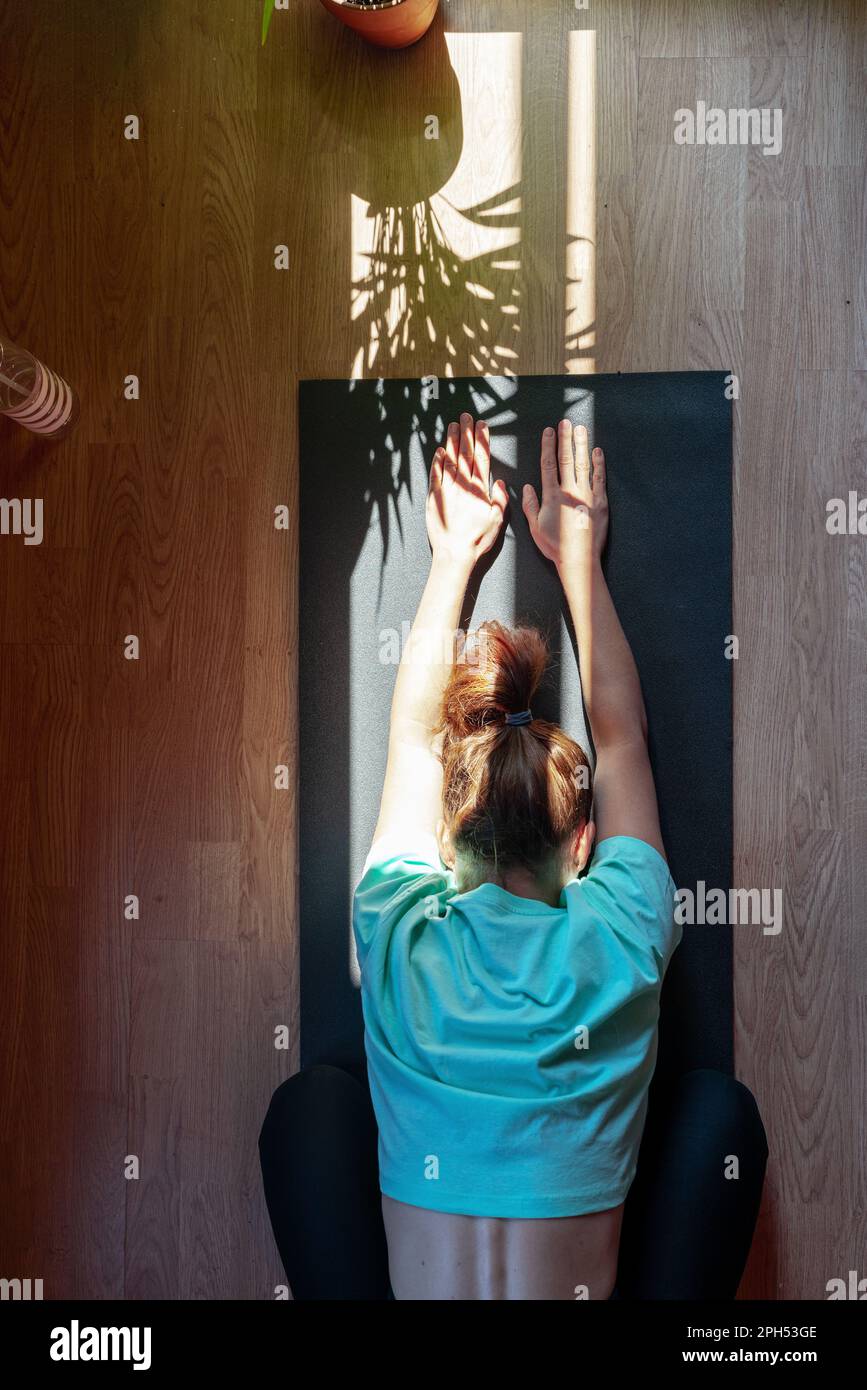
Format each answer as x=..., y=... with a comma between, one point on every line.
x=464, y=513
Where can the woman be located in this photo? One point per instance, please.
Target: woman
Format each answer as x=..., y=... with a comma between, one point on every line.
x=511, y=972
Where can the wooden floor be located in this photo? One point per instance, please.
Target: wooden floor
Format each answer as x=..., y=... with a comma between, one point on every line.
x=562, y=229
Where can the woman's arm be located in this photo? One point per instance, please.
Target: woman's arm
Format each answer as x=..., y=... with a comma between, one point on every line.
x=571, y=527
x=412, y=792
x=464, y=515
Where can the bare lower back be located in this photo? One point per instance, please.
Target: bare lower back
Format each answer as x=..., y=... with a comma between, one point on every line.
x=436, y=1255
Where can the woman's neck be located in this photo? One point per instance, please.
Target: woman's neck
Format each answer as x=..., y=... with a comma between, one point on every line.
x=544, y=886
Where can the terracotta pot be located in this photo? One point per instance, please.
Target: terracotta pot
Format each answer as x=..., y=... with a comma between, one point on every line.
x=390, y=24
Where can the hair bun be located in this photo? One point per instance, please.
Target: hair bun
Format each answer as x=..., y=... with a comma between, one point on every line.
x=507, y=800
x=497, y=672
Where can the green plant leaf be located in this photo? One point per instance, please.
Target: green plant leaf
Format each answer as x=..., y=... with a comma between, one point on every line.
x=266, y=18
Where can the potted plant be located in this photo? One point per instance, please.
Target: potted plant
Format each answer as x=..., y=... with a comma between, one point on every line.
x=388, y=23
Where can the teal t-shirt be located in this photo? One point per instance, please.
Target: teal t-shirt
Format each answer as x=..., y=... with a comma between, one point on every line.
x=511, y=1044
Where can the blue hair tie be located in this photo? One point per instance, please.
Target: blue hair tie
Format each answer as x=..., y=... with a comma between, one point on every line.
x=525, y=717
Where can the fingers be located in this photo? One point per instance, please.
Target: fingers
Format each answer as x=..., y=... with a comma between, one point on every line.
x=582, y=462
x=482, y=454
x=566, y=456
x=600, y=481
x=530, y=505
x=435, y=497
x=550, y=479
x=500, y=496
x=435, y=481
x=450, y=462
x=467, y=449
x=468, y=453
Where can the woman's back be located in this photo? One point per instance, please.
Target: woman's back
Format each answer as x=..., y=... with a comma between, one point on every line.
x=510, y=1048
x=439, y=1255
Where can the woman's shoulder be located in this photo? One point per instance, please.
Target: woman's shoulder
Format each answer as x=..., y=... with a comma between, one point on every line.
x=402, y=874
x=629, y=885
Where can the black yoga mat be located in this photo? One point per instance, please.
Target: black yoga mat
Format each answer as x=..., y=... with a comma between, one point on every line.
x=366, y=448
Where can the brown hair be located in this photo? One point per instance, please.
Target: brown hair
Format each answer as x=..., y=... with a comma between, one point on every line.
x=512, y=795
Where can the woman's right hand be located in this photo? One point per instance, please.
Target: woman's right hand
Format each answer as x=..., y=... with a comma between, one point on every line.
x=571, y=525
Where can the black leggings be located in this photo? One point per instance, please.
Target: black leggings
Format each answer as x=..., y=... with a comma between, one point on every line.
x=687, y=1228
